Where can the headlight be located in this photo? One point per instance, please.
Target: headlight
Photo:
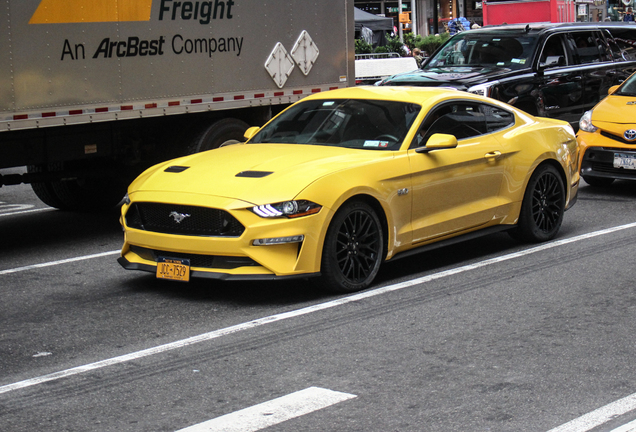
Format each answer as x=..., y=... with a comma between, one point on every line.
x=585, y=124
x=483, y=89
x=290, y=209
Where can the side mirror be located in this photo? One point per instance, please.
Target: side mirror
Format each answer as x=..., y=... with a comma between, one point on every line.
x=250, y=132
x=438, y=141
x=613, y=89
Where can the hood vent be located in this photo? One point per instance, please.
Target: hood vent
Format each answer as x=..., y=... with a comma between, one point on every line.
x=176, y=169
x=254, y=174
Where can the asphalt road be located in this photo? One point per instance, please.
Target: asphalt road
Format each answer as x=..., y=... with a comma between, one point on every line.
x=489, y=335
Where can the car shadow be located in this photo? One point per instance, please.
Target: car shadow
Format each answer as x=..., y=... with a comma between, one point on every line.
x=240, y=293
x=306, y=290
x=620, y=189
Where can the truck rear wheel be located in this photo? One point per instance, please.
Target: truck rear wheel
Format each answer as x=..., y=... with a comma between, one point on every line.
x=89, y=194
x=79, y=194
x=44, y=190
x=223, y=132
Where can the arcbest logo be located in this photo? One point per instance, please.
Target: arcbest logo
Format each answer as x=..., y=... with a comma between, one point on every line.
x=93, y=11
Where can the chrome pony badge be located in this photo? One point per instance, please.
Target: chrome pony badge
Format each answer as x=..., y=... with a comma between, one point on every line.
x=630, y=135
x=178, y=217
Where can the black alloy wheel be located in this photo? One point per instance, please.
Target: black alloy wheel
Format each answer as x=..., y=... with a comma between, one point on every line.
x=543, y=206
x=353, y=249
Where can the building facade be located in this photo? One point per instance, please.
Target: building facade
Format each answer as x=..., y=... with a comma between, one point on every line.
x=429, y=16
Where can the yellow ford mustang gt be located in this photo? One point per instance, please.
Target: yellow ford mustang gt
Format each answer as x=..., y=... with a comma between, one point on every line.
x=607, y=137
x=343, y=180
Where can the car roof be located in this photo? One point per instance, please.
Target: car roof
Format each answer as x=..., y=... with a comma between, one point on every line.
x=409, y=94
x=545, y=27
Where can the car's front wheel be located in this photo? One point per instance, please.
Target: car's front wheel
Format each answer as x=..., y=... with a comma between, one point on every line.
x=542, y=207
x=353, y=249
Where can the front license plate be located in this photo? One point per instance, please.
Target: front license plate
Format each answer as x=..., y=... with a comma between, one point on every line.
x=173, y=269
x=625, y=160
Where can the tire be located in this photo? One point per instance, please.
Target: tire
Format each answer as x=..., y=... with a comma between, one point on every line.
x=223, y=132
x=89, y=195
x=44, y=190
x=598, y=181
x=353, y=249
x=543, y=206
x=77, y=194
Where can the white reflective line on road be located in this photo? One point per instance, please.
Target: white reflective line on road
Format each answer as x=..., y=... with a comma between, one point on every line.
x=54, y=263
x=272, y=412
x=27, y=211
x=299, y=312
x=629, y=427
x=13, y=209
x=600, y=416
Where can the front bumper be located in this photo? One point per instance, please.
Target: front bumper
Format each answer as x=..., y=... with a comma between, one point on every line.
x=230, y=258
x=597, y=155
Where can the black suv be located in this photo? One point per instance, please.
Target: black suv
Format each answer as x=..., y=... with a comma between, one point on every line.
x=550, y=70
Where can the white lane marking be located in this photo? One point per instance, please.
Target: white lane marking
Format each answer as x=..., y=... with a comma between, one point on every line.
x=629, y=427
x=14, y=209
x=54, y=263
x=295, y=313
x=599, y=416
x=272, y=412
x=27, y=211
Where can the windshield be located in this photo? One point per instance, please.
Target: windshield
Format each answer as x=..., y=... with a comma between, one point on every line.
x=484, y=49
x=628, y=88
x=351, y=123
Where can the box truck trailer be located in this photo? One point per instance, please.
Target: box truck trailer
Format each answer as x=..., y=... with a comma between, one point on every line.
x=94, y=91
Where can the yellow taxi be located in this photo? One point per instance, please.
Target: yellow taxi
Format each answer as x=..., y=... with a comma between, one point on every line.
x=607, y=137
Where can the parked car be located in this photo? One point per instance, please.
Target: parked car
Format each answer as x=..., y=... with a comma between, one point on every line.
x=607, y=137
x=343, y=180
x=548, y=70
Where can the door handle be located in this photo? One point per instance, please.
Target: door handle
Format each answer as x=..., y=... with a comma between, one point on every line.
x=494, y=155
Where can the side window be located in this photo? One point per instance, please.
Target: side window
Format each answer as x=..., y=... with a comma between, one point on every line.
x=588, y=47
x=497, y=118
x=554, y=53
x=461, y=119
x=625, y=38
x=615, y=49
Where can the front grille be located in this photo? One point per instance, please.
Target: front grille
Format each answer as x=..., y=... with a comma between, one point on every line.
x=183, y=220
x=617, y=138
x=203, y=261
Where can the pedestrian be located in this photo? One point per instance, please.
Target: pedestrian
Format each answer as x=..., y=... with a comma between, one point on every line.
x=419, y=58
x=629, y=15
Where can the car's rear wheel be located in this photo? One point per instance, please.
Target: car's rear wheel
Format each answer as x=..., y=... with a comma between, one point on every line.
x=598, y=181
x=542, y=207
x=353, y=249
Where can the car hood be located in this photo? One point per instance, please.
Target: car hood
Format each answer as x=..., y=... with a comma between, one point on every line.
x=255, y=173
x=616, y=109
x=454, y=76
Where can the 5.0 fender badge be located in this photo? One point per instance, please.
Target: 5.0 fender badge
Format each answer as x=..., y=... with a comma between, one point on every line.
x=401, y=192
x=178, y=217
